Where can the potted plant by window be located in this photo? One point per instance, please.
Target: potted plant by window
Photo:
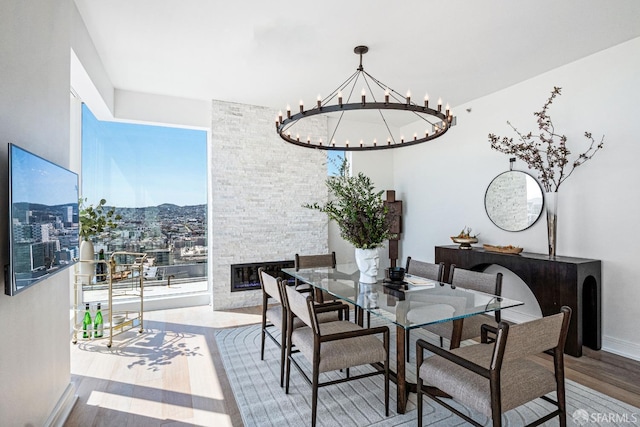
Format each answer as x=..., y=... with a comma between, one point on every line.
x=361, y=216
x=93, y=220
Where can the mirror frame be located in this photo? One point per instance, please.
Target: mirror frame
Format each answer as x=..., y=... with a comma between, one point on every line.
x=541, y=197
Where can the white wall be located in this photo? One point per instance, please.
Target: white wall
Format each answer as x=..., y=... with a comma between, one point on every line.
x=443, y=183
x=34, y=114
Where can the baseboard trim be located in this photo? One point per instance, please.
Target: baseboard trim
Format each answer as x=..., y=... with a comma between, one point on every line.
x=63, y=408
x=621, y=348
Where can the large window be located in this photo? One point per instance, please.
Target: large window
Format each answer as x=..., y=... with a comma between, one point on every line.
x=334, y=160
x=156, y=178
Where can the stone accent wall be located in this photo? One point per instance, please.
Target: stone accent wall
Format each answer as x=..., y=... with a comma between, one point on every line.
x=259, y=184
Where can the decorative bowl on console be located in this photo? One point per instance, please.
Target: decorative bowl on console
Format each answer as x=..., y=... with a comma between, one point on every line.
x=465, y=238
x=465, y=243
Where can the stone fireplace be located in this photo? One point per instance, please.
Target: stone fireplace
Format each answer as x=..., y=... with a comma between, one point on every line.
x=258, y=186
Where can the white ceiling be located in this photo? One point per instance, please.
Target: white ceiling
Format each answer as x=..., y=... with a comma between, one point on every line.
x=274, y=53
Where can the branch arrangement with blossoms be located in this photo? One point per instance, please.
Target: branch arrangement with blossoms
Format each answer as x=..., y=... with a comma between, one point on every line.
x=547, y=151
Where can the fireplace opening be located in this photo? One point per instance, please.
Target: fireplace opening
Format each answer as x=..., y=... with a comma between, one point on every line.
x=244, y=277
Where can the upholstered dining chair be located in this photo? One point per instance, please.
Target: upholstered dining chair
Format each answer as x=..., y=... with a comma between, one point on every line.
x=332, y=346
x=426, y=270
x=274, y=315
x=474, y=280
x=493, y=378
x=314, y=261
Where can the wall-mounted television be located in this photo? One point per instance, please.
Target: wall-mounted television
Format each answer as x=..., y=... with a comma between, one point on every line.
x=43, y=219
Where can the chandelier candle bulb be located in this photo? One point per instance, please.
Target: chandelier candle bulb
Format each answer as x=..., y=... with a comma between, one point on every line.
x=301, y=106
x=319, y=102
x=386, y=96
x=408, y=97
x=426, y=101
x=439, y=105
x=447, y=111
x=279, y=117
x=340, y=99
x=415, y=136
x=364, y=95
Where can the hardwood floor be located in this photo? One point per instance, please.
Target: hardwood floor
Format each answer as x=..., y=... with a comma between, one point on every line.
x=172, y=375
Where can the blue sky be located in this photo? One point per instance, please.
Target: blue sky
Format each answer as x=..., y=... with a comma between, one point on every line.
x=36, y=180
x=132, y=165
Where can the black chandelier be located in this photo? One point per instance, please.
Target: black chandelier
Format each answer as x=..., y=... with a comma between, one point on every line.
x=437, y=122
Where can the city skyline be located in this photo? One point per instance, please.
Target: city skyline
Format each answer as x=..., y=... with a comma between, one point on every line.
x=137, y=166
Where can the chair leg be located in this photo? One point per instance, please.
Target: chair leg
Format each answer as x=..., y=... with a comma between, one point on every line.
x=264, y=325
x=386, y=385
x=283, y=349
x=560, y=394
x=407, y=341
x=288, y=369
x=419, y=393
x=314, y=396
x=441, y=342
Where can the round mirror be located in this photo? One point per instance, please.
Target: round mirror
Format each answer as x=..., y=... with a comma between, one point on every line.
x=513, y=200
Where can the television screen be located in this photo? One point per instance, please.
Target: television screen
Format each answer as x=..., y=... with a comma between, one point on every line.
x=43, y=219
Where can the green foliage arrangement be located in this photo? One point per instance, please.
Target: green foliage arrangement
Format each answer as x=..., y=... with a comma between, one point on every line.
x=94, y=220
x=357, y=208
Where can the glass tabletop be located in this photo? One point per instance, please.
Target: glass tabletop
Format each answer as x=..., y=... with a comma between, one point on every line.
x=411, y=304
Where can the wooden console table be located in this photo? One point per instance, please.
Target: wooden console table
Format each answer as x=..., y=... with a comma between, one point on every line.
x=574, y=282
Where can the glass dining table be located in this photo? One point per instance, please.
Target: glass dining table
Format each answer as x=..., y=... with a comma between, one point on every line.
x=410, y=304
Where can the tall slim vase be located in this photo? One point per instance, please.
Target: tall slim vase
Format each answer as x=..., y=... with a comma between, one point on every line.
x=551, y=207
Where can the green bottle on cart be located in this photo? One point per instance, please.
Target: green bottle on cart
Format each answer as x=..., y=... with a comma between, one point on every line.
x=98, y=324
x=86, y=323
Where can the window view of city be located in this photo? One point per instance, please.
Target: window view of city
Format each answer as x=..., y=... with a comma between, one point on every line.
x=155, y=179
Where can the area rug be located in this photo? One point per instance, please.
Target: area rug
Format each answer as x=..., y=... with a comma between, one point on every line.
x=256, y=387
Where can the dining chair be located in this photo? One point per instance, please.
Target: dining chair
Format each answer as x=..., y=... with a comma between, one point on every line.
x=493, y=378
x=274, y=315
x=473, y=280
x=426, y=270
x=332, y=346
x=314, y=261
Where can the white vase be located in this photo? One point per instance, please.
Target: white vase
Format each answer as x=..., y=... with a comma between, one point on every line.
x=368, y=262
x=87, y=264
